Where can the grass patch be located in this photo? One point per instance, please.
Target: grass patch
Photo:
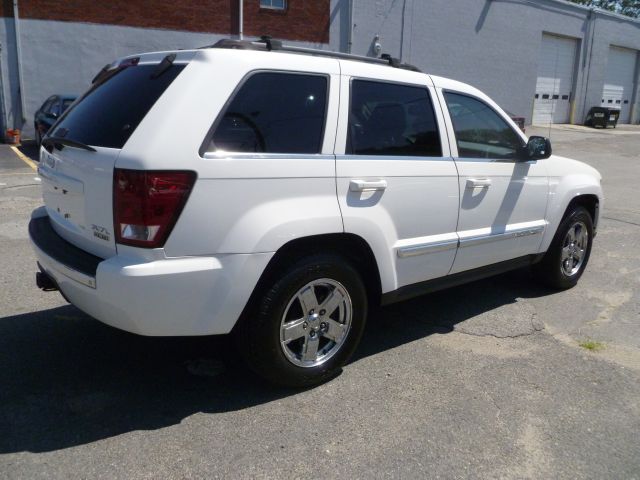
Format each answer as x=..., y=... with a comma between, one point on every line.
x=592, y=345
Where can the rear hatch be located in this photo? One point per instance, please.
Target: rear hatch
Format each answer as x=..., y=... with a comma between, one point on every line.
x=79, y=154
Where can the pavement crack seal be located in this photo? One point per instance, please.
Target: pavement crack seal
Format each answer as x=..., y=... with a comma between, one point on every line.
x=534, y=328
x=21, y=186
x=498, y=409
x=622, y=221
x=501, y=337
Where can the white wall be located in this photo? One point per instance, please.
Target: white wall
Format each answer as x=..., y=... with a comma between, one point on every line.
x=63, y=57
x=491, y=44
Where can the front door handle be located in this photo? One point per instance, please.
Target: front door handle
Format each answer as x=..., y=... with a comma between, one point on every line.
x=478, y=182
x=367, y=186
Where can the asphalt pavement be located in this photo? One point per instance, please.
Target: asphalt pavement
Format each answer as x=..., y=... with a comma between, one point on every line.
x=486, y=380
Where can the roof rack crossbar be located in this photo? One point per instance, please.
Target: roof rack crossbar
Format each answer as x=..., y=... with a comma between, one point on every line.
x=267, y=43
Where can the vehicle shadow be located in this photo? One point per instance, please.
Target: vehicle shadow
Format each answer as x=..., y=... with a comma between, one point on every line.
x=68, y=380
x=30, y=149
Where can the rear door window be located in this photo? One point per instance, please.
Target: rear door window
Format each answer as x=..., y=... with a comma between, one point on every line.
x=274, y=112
x=391, y=119
x=110, y=111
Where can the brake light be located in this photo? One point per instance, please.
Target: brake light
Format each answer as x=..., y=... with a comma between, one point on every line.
x=147, y=204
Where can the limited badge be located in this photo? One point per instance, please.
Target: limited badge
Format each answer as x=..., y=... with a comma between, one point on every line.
x=101, y=232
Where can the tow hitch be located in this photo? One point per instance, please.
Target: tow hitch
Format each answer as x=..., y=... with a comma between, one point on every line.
x=45, y=282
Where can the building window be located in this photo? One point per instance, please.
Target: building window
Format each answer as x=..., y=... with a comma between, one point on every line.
x=274, y=4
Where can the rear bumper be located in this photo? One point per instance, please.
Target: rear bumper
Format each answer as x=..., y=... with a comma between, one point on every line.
x=173, y=296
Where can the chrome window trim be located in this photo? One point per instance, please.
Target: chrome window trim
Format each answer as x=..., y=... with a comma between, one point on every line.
x=221, y=155
x=491, y=160
x=393, y=158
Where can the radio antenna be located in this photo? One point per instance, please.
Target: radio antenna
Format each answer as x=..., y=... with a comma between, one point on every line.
x=555, y=88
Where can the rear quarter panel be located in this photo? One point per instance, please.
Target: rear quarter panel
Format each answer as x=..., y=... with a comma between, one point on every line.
x=241, y=203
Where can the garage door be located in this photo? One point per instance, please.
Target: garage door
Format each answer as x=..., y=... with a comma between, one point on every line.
x=619, y=81
x=552, y=101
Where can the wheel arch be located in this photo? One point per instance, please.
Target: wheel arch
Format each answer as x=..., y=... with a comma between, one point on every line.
x=590, y=202
x=587, y=196
x=348, y=245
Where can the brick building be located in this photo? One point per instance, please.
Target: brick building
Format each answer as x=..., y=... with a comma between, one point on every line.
x=306, y=20
x=547, y=60
x=58, y=46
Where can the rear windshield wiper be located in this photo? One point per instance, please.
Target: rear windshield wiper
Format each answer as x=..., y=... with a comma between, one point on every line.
x=58, y=142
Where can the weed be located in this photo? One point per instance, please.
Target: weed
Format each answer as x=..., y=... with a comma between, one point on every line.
x=592, y=345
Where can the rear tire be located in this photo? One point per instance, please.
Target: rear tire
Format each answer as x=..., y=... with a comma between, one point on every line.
x=307, y=324
x=568, y=255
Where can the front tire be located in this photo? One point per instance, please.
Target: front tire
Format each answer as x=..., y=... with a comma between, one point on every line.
x=307, y=324
x=568, y=255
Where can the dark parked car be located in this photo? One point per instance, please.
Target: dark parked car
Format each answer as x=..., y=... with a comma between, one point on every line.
x=49, y=112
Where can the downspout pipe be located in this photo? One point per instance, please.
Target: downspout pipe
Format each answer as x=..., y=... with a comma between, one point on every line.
x=3, y=106
x=16, y=24
x=590, y=38
x=350, y=33
x=240, y=19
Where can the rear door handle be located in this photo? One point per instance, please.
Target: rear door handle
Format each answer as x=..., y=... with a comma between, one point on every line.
x=367, y=186
x=478, y=182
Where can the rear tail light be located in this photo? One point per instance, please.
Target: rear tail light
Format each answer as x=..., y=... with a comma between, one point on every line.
x=147, y=204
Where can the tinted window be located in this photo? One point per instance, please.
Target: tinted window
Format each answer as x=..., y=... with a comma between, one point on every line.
x=390, y=119
x=56, y=108
x=66, y=103
x=110, y=111
x=480, y=131
x=274, y=113
x=46, y=106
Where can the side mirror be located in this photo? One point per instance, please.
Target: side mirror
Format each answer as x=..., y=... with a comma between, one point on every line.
x=537, y=148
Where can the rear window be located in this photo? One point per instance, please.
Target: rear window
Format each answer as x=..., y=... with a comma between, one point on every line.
x=111, y=110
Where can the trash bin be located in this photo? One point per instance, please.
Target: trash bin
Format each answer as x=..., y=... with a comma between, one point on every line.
x=602, y=117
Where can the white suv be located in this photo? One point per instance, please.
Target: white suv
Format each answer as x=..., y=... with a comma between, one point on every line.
x=276, y=192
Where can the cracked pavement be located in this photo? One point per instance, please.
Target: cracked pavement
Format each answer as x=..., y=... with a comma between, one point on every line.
x=485, y=380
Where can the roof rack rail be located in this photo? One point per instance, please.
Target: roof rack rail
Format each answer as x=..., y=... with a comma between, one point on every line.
x=268, y=44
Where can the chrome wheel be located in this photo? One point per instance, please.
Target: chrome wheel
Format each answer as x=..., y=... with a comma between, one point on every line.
x=574, y=248
x=316, y=322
